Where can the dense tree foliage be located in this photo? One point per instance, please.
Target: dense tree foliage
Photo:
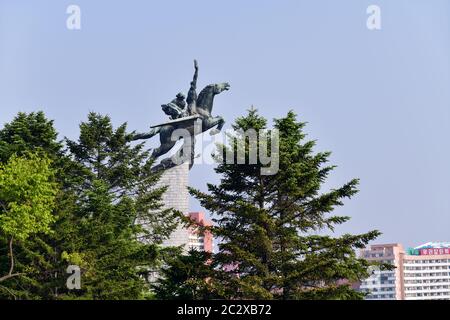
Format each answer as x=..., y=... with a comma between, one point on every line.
x=94, y=202
x=106, y=186
x=275, y=230
x=35, y=258
x=186, y=276
x=29, y=133
x=27, y=197
x=116, y=189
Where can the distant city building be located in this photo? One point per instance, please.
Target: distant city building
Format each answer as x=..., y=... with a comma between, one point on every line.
x=384, y=284
x=422, y=273
x=198, y=240
x=427, y=272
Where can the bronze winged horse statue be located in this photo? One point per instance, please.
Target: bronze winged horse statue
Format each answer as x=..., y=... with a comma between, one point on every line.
x=198, y=110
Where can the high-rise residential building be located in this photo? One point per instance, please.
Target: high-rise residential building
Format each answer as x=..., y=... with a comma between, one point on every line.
x=421, y=273
x=199, y=240
x=426, y=271
x=384, y=284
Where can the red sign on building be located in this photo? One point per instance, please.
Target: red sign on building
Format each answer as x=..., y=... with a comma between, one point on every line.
x=434, y=251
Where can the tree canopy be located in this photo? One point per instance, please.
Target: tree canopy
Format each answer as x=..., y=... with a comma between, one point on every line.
x=95, y=202
x=276, y=230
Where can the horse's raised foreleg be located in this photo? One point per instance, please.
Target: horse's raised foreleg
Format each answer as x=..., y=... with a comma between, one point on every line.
x=213, y=121
x=163, y=149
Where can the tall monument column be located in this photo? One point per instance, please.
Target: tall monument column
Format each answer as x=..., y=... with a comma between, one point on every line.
x=177, y=197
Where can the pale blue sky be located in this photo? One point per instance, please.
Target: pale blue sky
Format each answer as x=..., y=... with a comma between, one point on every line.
x=378, y=99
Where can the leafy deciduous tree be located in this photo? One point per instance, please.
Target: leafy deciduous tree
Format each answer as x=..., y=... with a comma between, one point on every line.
x=27, y=196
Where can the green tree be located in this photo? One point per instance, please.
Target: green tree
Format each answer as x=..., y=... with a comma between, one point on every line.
x=31, y=132
x=276, y=230
x=27, y=196
x=186, y=276
x=39, y=257
x=116, y=196
x=106, y=185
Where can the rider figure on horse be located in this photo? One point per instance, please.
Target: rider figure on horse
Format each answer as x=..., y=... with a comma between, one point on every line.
x=176, y=108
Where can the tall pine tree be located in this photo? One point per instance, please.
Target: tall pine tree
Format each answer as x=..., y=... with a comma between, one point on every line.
x=275, y=231
x=115, y=192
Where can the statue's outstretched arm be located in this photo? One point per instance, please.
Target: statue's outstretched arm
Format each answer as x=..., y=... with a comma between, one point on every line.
x=148, y=135
x=141, y=136
x=194, y=80
x=192, y=95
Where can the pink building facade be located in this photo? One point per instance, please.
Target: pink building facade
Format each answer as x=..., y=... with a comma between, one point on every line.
x=384, y=284
x=198, y=240
x=421, y=273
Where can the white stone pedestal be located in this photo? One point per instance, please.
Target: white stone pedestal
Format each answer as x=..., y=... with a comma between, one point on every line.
x=176, y=197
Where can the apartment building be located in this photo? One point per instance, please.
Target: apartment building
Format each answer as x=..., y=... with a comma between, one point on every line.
x=198, y=240
x=384, y=284
x=421, y=273
x=426, y=272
